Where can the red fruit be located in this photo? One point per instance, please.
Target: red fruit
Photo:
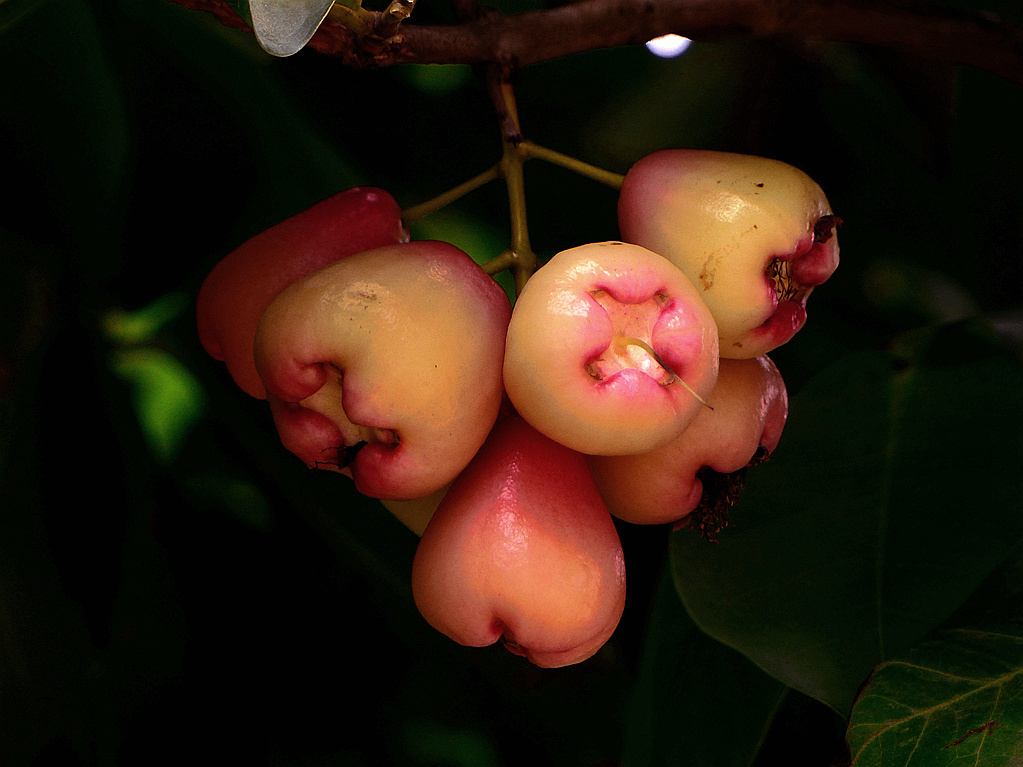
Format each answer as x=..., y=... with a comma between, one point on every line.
x=523, y=549
x=750, y=409
x=242, y=285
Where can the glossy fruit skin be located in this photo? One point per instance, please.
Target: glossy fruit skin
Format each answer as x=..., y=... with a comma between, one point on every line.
x=750, y=407
x=239, y=288
x=570, y=369
x=386, y=366
x=754, y=234
x=523, y=549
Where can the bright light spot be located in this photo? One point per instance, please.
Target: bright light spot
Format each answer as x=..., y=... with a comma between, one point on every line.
x=727, y=208
x=669, y=46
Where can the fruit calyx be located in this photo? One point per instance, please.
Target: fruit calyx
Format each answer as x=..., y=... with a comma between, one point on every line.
x=826, y=227
x=793, y=276
x=345, y=455
x=627, y=350
x=720, y=492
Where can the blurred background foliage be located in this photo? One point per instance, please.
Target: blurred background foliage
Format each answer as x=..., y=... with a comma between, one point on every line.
x=172, y=583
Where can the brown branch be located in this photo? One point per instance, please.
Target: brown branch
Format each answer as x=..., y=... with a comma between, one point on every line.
x=917, y=27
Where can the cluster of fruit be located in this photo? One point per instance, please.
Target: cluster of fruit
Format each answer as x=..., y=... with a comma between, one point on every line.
x=507, y=436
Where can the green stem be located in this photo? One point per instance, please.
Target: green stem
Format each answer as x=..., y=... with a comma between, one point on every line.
x=499, y=263
x=529, y=149
x=524, y=260
x=520, y=258
x=416, y=212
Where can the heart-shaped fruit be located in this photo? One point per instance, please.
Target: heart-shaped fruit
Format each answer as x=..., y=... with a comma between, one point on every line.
x=523, y=550
x=386, y=366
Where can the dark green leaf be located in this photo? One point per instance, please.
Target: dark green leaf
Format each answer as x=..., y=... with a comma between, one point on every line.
x=895, y=490
x=696, y=702
x=63, y=116
x=12, y=11
x=958, y=695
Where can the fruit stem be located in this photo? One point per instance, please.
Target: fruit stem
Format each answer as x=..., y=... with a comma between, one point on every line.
x=613, y=180
x=502, y=95
x=499, y=263
x=520, y=258
x=524, y=259
x=416, y=212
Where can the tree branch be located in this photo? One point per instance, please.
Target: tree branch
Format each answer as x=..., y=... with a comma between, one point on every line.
x=918, y=27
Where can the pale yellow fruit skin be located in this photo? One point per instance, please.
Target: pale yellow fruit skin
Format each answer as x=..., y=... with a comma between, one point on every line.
x=401, y=344
x=722, y=218
x=750, y=407
x=559, y=327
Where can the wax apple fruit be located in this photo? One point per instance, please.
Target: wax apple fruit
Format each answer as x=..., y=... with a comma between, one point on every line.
x=750, y=407
x=386, y=366
x=241, y=286
x=755, y=235
x=610, y=350
x=522, y=549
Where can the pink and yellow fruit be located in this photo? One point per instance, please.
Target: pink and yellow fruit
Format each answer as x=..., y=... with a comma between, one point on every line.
x=522, y=549
x=755, y=235
x=610, y=350
x=240, y=287
x=386, y=366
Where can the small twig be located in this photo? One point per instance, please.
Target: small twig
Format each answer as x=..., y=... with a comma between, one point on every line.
x=977, y=39
x=416, y=212
x=613, y=180
x=502, y=95
x=519, y=258
x=392, y=17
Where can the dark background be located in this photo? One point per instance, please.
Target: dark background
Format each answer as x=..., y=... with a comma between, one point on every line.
x=174, y=584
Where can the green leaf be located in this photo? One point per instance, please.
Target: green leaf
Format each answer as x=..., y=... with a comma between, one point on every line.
x=958, y=695
x=142, y=325
x=64, y=116
x=894, y=492
x=696, y=702
x=242, y=498
x=169, y=401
